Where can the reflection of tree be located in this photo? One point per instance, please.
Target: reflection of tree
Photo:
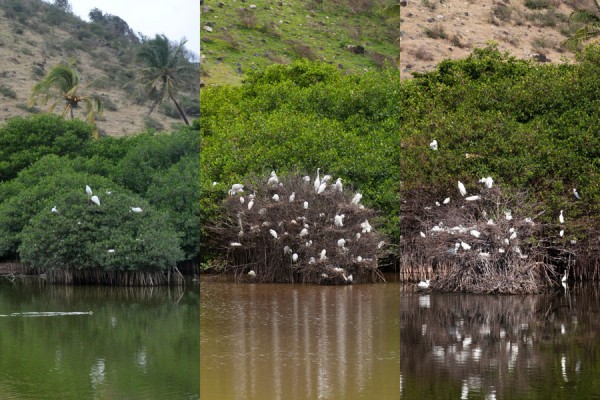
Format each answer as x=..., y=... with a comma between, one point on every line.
x=512, y=345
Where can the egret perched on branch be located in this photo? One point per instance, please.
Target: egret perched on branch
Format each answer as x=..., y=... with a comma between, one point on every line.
x=250, y=204
x=242, y=200
x=95, y=200
x=322, y=187
x=317, y=181
x=273, y=233
x=54, y=209
x=422, y=234
x=433, y=145
x=287, y=250
x=275, y=197
x=341, y=242
x=576, y=194
x=252, y=274
x=366, y=227
x=561, y=218
x=136, y=209
x=292, y=197
x=88, y=190
x=465, y=246
x=473, y=198
x=236, y=188
x=338, y=220
x=294, y=257
x=303, y=232
x=323, y=255
x=338, y=185
x=423, y=285
x=273, y=180
x=305, y=205
x=462, y=189
x=356, y=198
x=306, y=178
x=446, y=200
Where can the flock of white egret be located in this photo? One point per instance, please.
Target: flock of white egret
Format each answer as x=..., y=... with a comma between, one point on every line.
x=303, y=224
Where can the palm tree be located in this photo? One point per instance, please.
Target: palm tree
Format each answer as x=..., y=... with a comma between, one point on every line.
x=165, y=69
x=590, y=28
x=61, y=84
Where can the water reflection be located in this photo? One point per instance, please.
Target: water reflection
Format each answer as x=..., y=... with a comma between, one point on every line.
x=470, y=346
x=298, y=341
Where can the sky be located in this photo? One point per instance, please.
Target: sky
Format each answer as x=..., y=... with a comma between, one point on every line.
x=173, y=18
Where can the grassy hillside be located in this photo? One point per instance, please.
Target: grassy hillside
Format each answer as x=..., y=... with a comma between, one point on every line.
x=241, y=36
x=434, y=30
x=35, y=36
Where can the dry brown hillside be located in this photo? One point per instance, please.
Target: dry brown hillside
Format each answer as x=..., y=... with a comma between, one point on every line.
x=34, y=36
x=434, y=30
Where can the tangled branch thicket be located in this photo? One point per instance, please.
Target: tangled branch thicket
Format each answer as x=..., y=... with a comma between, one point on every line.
x=491, y=245
x=324, y=252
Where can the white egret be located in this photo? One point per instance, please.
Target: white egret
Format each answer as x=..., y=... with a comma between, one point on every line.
x=273, y=233
x=306, y=178
x=309, y=243
x=446, y=200
x=275, y=197
x=508, y=215
x=273, y=180
x=287, y=250
x=338, y=185
x=312, y=260
x=564, y=277
x=294, y=257
x=252, y=274
x=359, y=259
x=324, y=275
x=236, y=188
x=356, y=198
x=576, y=194
x=54, y=209
x=326, y=178
x=350, y=278
x=422, y=234
x=529, y=221
x=317, y=181
x=111, y=250
x=433, y=145
x=250, y=204
x=366, y=227
x=88, y=190
x=322, y=187
x=323, y=255
x=242, y=200
x=380, y=244
x=562, y=233
x=513, y=236
x=303, y=232
x=465, y=246
x=95, y=200
x=357, y=235
x=235, y=244
x=490, y=222
x=214, y=183
x=262, y=211
x=489, y=182
x=305, y=205
x=437, y=203
x=484, y=255
x=501, y=250
x=475, y=232
x=341, y=242
x=292, y=197
x=136, y=209
x=462, y=189
x=423, y=285
x=338, y=220
x=473, y=198
x=561, y=218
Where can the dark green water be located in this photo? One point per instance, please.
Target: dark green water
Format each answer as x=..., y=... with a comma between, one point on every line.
x=138, y=343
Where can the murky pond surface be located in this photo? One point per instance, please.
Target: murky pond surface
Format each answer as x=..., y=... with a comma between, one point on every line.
x=456, y=346
x=282, y=341
x=88, y=342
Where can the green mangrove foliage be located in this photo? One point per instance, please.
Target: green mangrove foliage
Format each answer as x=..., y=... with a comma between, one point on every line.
x=49, y=221
x=532, y=127
x=296, y=118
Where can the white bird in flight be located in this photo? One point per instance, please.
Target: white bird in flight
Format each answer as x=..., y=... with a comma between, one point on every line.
x=462, y=189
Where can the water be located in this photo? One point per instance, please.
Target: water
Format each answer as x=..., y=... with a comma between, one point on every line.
x=88, y=342
x=456, y=346
x=280, y=341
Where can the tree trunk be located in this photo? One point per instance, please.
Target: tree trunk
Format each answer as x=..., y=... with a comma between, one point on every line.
x=179, y=109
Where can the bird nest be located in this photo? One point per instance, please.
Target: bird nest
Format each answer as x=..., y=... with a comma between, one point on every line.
x=296, y=230
x=485, y=245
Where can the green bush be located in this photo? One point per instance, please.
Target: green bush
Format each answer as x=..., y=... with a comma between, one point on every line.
x=25, y=140
x=109, y=236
